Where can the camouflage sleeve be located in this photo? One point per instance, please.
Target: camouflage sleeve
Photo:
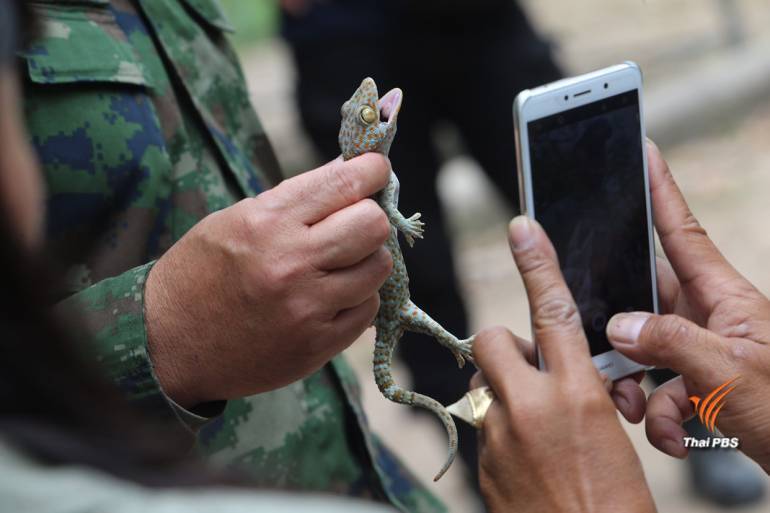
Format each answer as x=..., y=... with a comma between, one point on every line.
x=31, y=486
x=111, y=314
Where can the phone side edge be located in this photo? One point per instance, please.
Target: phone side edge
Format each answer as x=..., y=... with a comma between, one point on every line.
x=524, y=177
x=518, y=108
x=648, y=196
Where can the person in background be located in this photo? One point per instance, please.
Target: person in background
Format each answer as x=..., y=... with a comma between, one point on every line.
x=69, y=441
x=460, y=62
x=216, y=298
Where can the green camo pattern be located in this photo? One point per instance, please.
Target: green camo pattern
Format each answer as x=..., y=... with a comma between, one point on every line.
x=139, y=109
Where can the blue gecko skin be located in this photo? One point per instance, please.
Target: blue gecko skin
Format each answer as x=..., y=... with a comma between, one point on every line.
x=369, y=125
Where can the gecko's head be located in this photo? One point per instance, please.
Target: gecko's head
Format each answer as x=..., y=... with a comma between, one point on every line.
x=369, y=122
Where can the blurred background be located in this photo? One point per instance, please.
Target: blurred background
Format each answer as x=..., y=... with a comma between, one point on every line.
x=707, y=93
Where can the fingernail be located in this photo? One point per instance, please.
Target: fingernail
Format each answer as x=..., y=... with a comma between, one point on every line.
x=624, y=329
x=521, y=233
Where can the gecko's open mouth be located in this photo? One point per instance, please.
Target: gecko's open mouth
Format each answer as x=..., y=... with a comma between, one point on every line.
x=389, y=105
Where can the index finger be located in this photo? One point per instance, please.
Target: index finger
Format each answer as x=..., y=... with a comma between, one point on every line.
x=502, y=357
x=695, y=259
x=556, y=325
x=315, y=195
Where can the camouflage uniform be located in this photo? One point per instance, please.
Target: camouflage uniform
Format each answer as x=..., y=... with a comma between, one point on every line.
x=139, y=108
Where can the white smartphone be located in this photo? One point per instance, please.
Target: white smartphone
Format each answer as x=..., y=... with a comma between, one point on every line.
x=580, y=144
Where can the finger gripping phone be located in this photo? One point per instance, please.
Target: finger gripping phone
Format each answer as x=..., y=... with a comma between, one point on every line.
x=580, y=145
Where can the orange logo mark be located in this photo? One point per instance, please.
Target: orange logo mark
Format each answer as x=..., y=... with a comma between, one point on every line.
x=708, y=409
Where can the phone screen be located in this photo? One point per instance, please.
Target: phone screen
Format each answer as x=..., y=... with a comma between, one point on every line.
x=589, y=195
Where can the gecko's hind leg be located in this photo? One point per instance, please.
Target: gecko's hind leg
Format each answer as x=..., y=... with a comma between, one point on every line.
x=414, y=319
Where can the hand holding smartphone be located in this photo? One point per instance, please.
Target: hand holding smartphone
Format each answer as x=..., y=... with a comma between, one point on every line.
x=583, y=176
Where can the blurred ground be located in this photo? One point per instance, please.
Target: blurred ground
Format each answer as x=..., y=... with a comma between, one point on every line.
x=724, y=172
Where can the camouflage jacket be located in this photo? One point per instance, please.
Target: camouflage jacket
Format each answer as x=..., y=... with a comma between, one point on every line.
x=30, y=486
x=138, y=109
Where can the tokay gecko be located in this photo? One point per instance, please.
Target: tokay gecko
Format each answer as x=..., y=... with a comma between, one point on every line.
x=369, y=125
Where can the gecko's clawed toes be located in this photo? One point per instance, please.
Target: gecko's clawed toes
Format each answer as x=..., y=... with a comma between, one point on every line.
x=411, y=234
x=463, y=352
x=413, y=229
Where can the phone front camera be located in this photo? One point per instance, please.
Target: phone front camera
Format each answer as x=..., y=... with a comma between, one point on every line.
x=606, y=85
x=566, y=97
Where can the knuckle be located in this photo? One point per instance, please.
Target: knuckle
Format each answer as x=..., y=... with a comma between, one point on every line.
x=261, y=215
x=494, y=333
x=272, y=281
x=532, y=261
x=384, y=262
x=369, y=309
x=371, y=210
x=555, y=311
x=302, y=310
x=743, y=353
x=244, y=214
x=665, y=169
x=593, y=400
x=699, y=338
x=382, y=226
x=488, y=338
x=375, y=220
x=692, y=227
x=663, y=332
x=270, y=201
x=281, y=276
x=344, y=180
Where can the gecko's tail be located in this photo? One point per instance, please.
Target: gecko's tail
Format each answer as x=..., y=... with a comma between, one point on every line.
x=397, y=394
x=449, y=424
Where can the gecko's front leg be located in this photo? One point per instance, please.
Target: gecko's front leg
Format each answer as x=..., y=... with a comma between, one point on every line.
x=411, y=227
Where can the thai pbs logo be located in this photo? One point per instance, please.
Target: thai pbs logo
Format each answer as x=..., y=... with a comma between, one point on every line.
x=708, y=411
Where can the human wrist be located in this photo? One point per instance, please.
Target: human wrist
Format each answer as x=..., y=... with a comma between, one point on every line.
x=166, y=354
x=628, y=501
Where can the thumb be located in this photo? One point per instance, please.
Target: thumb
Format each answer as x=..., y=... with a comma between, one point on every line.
x=669, y=341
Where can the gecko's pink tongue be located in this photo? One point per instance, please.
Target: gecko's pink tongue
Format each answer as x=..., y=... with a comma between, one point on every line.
x=389, y=105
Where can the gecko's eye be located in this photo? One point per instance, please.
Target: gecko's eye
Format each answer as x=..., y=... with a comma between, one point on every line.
x=367, y=114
